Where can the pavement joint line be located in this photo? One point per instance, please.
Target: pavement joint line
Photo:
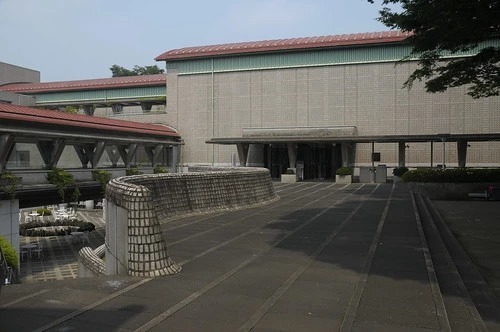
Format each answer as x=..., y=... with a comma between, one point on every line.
x=220, y=245
x=192, y=222
x=215, y=215
x=352, y=307
x=91, y=306
x=453, y=269
x=431, y=272
x=164, y=315
x=257, y=316
x=80, y=311
x=27, y=297
x=171, y=244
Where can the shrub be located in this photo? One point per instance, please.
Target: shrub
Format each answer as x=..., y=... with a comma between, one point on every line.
x=344, y=171
x=9, y=183
x=399, y=171
x=62, y=179
x=160, y=169
x=46, y=212
x=9, y=253
x=133, y=171
x=452, y=175
x=102, y=177
x=35, y=228
x=290, y=171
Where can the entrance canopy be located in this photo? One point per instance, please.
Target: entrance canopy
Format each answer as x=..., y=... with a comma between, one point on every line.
x=345, y=136
x=269, y=139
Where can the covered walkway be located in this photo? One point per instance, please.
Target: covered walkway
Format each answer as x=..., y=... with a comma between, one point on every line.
x=52, y=131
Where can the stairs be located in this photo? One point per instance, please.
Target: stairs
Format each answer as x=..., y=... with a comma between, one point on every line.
x=469, y=303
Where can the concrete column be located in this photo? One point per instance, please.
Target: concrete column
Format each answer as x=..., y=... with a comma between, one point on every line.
x=347, y=152
x=51, y=151
x=292, y=155
x=255, y=155
x=444, y=152
x=432, y=154
x=146, y=106
x=127, y=153
x=100, y=147
x=176, y=156
x=116, y=239
x=401, y=154
x=242, y=153
x=6, y=146
x=462, y=152
x=117, y=108
x=89, y=109
x=113, y=155
x=9, y=222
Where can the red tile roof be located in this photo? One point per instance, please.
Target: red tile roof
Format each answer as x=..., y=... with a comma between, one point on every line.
x=285, y=45
x=100, y=83
x=49, y=117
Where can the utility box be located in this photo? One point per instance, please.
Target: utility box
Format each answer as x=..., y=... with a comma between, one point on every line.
x=381, y=174
x=365, y=174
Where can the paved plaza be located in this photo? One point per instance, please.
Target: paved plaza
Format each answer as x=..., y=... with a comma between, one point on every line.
x=325, y=257
x=60, y=260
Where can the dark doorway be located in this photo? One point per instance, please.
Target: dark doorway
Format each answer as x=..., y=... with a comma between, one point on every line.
x=320, y=160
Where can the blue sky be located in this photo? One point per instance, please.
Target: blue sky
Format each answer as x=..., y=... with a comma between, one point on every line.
x=81, y=39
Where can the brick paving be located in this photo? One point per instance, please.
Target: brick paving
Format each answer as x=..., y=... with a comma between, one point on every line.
x=60, y=253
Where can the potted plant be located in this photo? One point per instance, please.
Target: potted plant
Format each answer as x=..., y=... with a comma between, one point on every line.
x=343, y=175
x=289, y=176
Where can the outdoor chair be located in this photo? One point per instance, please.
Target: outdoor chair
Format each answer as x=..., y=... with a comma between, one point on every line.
x=24, y=254
x=38, y=251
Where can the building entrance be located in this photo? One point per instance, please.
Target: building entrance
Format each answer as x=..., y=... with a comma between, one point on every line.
x=320, y=160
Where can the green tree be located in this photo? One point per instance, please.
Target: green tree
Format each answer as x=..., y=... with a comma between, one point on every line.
x=119, y=71
x=453, y=26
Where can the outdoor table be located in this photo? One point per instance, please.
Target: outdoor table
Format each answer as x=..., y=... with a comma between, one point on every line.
x=29, y=247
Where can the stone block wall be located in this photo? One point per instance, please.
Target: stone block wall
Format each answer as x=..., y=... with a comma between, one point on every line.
x=149, y=199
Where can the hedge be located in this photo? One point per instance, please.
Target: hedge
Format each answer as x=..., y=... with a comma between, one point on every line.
x=452, y=175
x=9, y=253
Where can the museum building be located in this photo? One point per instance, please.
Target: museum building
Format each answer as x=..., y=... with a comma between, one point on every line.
x=315, y=104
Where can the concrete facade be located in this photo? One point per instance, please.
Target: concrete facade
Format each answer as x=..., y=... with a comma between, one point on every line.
x=367, y=95
x=15, y=74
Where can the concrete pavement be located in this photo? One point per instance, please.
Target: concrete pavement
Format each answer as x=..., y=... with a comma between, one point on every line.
x=325, y=257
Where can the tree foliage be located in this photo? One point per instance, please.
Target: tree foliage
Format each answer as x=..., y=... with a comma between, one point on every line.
x=450, y=26
x=119, y=71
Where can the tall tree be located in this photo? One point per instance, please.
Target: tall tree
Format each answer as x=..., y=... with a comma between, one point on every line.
x=439, y=27
x=119, y=71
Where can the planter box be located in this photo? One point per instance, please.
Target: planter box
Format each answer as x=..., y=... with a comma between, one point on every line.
x=288, y=178
x=343, y=179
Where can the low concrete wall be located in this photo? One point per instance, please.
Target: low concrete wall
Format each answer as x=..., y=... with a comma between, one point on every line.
x=147, y=199
x=91, y=263
x=450, y=191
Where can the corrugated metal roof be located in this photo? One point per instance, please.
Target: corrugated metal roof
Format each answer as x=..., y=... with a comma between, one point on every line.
x=285, y=45
x=49, y=117
x=101, y=83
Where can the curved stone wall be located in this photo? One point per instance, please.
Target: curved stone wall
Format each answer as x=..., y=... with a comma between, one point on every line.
x=149, y=199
